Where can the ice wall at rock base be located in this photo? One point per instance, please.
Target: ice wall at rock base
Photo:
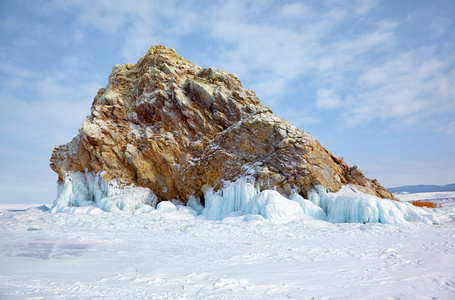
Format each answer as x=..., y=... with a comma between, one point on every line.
x=88, y=192
x=91, y=190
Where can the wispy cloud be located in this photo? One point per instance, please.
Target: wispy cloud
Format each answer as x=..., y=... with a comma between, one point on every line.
x=43, y=107
x=408, y=88
x=328, y=99
x=345, y=52
x=49, y=116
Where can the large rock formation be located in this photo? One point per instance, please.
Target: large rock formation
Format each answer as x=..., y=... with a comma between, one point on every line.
x=176, y=128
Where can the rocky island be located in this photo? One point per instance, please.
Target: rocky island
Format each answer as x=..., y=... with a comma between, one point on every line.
x=175, y=128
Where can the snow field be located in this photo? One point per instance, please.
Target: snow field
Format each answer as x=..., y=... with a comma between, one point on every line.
x=167, y=253
x=107, y=241
x=443, y=198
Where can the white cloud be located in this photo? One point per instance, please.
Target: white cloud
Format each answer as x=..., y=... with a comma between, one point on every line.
x=273, y=47
x=139, y=24
x=447, y=128
x=268, y=88
x=293, y=10
x=382, y=37
x=106, y=16
x=328, y=99
x=365, y=6
x=35, y=104
x=43, y=123
x=300, y=118
x=249, y=37
x=73, y=62
x=439, y=26
x=409, y=88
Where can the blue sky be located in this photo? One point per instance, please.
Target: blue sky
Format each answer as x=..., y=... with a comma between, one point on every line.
x=373, y=81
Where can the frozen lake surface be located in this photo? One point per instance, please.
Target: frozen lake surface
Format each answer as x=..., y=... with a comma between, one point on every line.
x=171, y=255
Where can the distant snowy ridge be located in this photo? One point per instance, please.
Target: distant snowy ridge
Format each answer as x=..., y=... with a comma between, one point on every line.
x=423, y=188
x=89, y=193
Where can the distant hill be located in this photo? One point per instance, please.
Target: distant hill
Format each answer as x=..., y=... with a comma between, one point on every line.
x=423, y=188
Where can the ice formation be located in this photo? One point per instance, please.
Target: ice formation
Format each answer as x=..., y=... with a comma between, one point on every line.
x=361, y=208
x=350, y=205
x=90, y=190
x=88, y=193
x=273, y=206
x=309, y=208
x=241, y=198
x=232, y=198
x=195, y=204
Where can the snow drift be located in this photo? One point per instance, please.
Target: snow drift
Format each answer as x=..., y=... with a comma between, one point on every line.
x=89, y=193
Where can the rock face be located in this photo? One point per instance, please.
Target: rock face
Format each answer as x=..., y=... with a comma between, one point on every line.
x=176, y=128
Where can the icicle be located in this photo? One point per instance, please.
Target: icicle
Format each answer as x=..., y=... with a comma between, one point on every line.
x=309, y=208
x=231, y=198
x=90, y=189
x=352, y=206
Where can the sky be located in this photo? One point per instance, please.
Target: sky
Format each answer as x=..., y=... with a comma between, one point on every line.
x=373, y=81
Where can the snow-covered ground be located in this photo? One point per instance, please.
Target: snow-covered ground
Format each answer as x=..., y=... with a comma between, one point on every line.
x=444, y=198
x=169, y=254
